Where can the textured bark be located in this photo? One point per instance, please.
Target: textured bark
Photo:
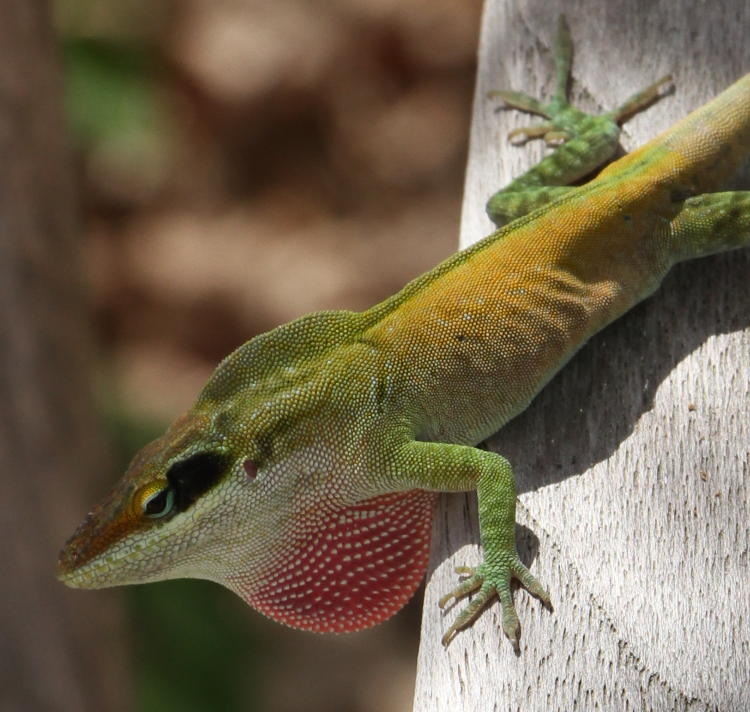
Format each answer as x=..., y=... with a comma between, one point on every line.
x=60, y=650
x=632, y=465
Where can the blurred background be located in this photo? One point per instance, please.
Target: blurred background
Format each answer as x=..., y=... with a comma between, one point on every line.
x=240, y=163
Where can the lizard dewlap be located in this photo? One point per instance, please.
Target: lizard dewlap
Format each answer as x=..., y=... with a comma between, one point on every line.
x=304, y=477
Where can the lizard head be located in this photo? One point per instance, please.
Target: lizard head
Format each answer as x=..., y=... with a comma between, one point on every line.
x=138, y=532
x=261, y=487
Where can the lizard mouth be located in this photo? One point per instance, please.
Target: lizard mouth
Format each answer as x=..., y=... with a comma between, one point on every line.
x=83, y=577
x=96, y=555
x=79, y=564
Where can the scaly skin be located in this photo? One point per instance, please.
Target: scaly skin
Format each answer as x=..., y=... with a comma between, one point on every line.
x=303, y=478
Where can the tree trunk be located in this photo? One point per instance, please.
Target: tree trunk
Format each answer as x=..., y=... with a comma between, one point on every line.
x=60, y=650
x=632, y=466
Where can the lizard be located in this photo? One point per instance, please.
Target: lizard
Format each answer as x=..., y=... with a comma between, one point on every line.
x=304, y=477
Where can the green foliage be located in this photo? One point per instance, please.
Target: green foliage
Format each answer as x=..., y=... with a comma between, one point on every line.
x=193, y=650
x=120, y=121
x=110, y=90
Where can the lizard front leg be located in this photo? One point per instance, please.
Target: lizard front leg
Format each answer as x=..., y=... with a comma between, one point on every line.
x=584, y=141
x=445, y=467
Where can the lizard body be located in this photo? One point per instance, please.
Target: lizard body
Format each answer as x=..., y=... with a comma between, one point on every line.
x=304, y=476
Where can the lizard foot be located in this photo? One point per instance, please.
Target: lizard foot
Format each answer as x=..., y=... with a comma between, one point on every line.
x=488, y=581
x=550, y=132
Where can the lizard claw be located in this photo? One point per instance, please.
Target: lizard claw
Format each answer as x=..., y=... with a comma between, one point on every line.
x=523, y=134
x=464, y=588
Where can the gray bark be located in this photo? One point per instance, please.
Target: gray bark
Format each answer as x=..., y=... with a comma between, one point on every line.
x=632, y=465
x=59, y=649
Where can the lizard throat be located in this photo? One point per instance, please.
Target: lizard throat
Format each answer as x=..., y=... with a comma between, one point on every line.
x=353, y=570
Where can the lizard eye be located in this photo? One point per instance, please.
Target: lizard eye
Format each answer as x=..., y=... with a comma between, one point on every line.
x=157, y=502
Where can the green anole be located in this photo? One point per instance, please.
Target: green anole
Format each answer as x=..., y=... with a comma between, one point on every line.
x=303, y=478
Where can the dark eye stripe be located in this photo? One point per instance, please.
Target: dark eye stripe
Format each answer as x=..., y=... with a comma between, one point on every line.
x=192, y=477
